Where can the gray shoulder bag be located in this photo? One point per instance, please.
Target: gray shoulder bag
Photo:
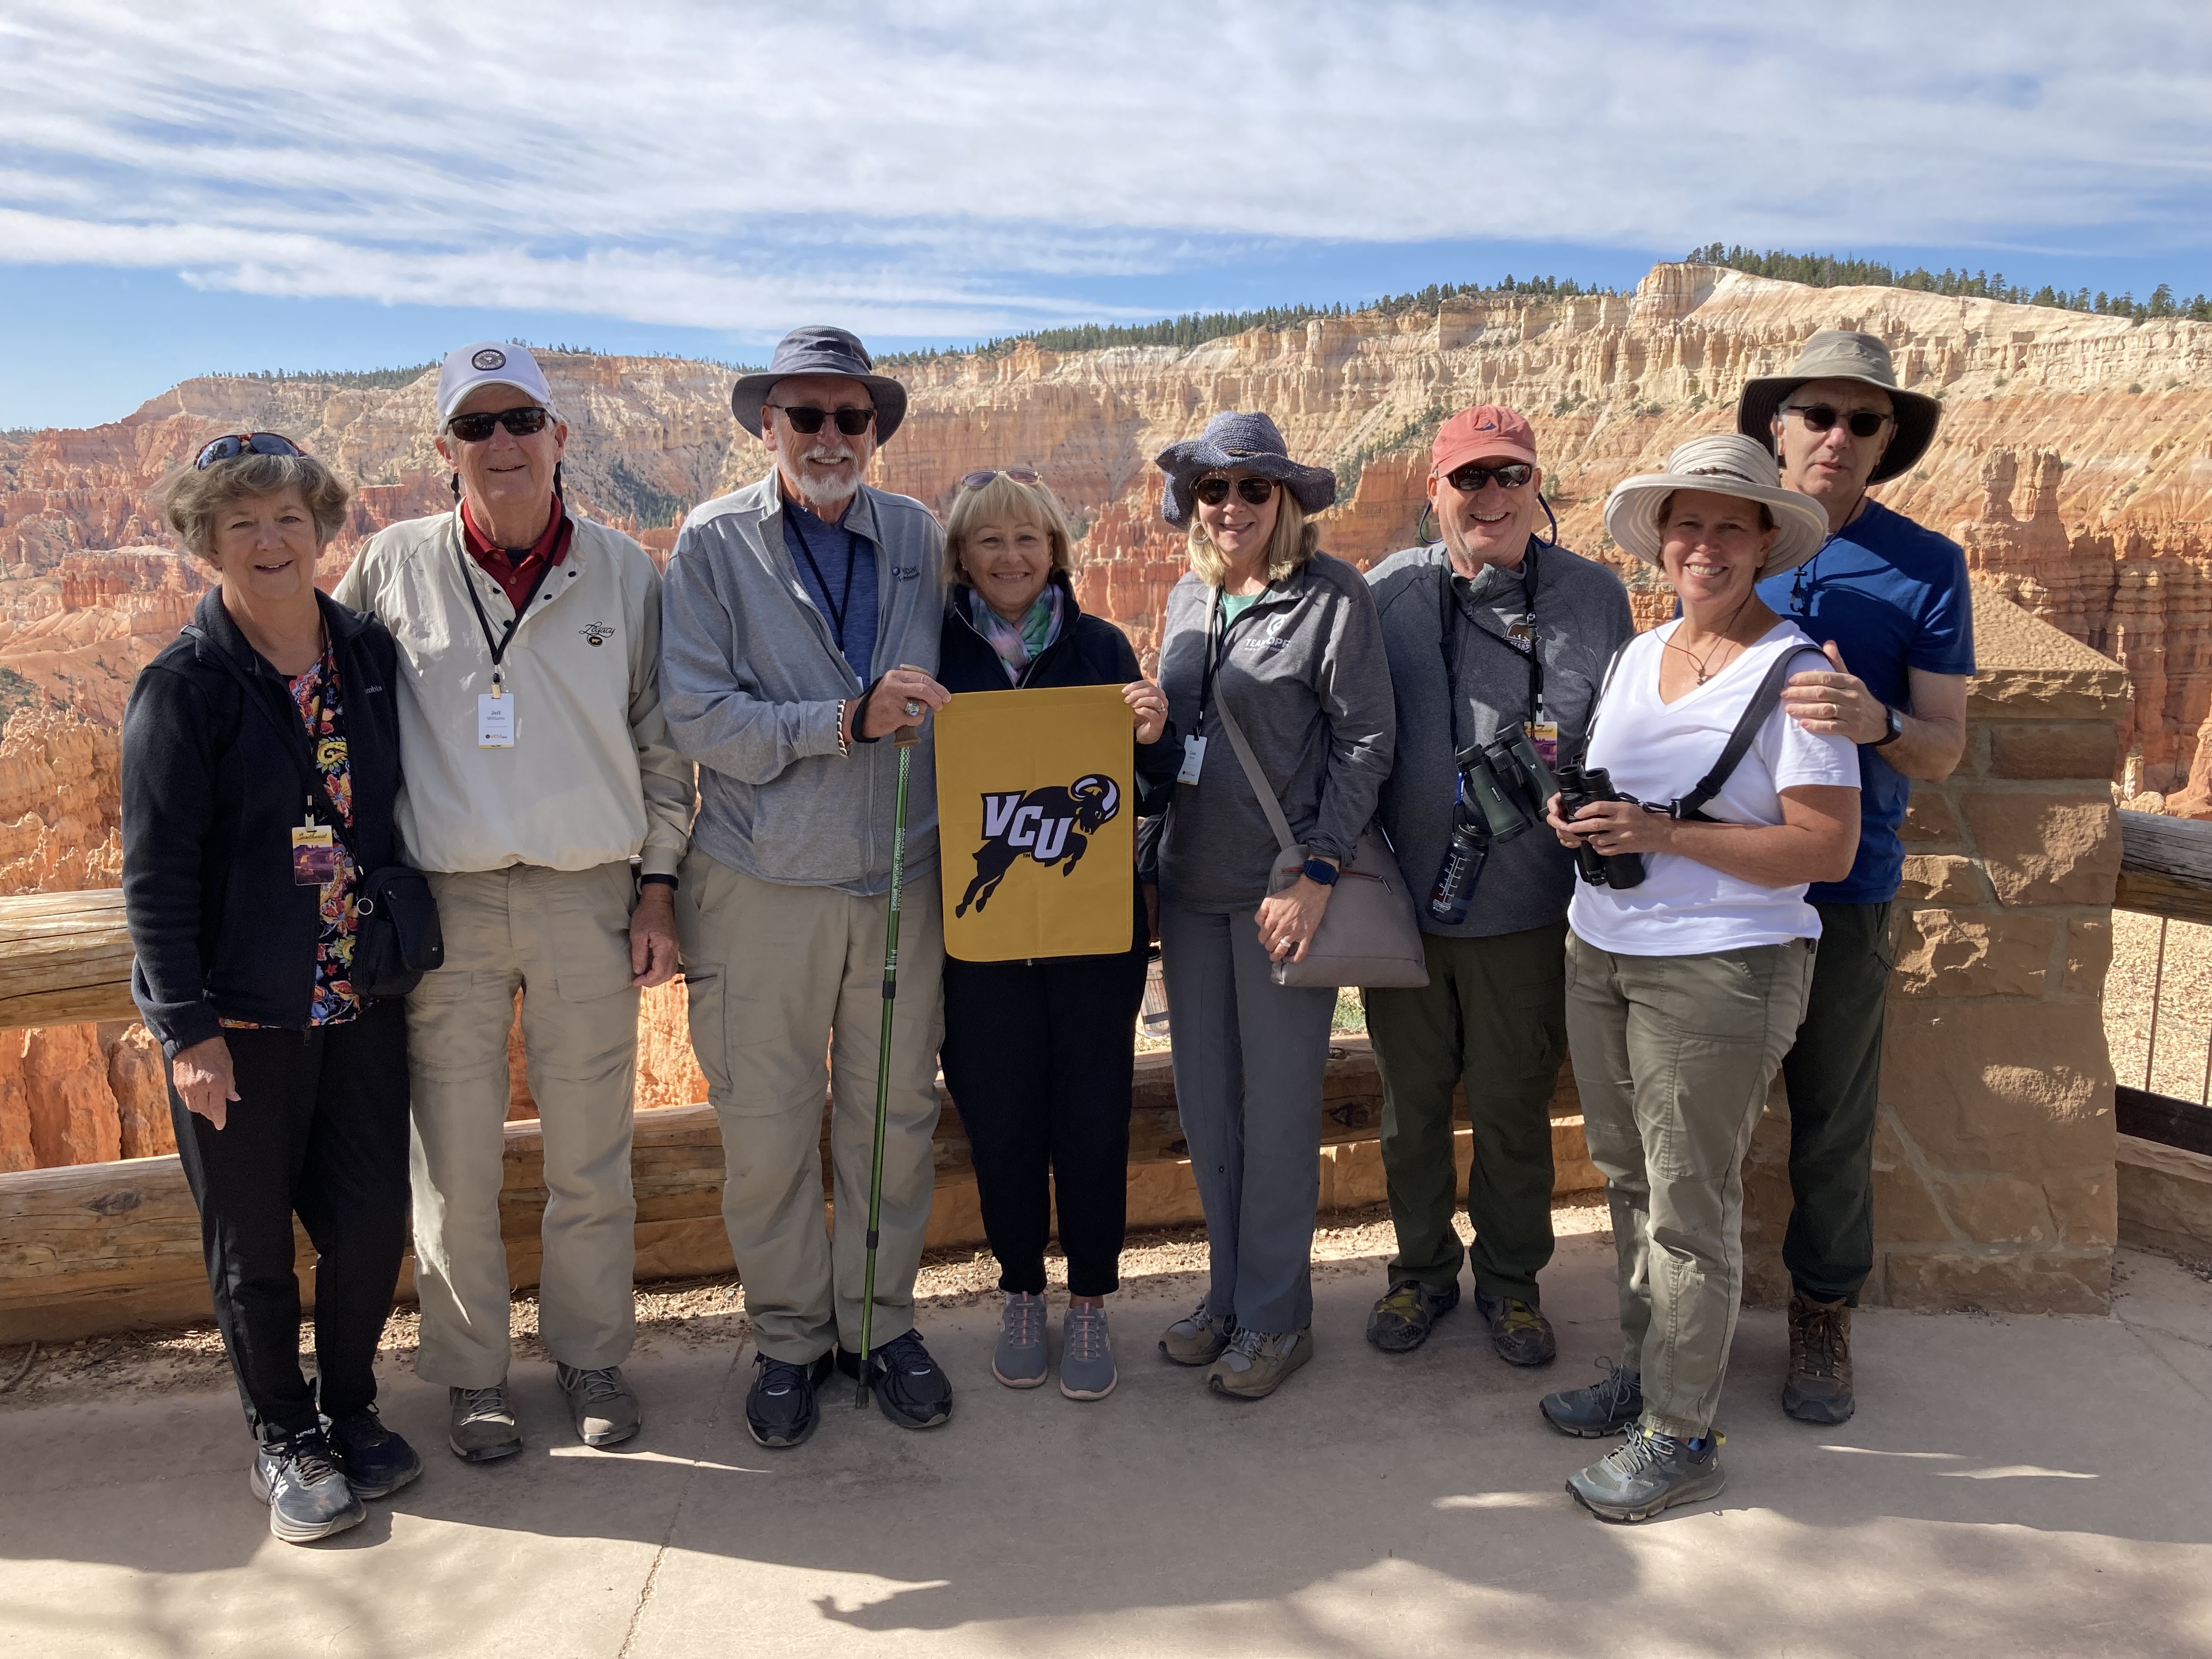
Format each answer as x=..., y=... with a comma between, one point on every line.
x=1369, y=934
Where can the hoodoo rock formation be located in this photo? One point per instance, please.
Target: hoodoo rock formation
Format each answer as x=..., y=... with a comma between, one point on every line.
x=2074, y=464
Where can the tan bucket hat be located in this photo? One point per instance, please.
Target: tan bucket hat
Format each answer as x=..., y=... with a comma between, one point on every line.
x=1730, y=465
x=1837, y=353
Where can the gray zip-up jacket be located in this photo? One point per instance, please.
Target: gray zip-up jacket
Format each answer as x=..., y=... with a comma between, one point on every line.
x=750, y=682
x=1304, y=671
x=1582, y=618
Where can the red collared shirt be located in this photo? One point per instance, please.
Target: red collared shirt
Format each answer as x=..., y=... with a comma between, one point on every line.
x=520, y=571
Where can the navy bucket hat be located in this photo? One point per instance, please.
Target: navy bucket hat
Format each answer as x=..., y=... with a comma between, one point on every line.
x=819, y=349
x=1246, y=443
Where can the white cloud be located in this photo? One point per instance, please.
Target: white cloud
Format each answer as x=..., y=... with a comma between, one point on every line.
x=944, y=168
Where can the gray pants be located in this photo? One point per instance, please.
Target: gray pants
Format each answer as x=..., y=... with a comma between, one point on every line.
x=1249, y=1055
x=562, y=938
x=781, y=976
x=1673, y=1056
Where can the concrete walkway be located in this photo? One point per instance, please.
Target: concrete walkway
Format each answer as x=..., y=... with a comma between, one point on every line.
x=2012, y=1487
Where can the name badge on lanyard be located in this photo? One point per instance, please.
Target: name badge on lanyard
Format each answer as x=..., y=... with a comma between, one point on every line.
x=1193, y=756
x=315, y=855
x=494, y=718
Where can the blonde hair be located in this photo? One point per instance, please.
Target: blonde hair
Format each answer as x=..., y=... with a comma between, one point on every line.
x=1004, y=500
x=1295, y=541
x=196, y=496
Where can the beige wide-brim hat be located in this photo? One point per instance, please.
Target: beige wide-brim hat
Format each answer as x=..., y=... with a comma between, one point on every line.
x=1838, y=354
x=1728, y=464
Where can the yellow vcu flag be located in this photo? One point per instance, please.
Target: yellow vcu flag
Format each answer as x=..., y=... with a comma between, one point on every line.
x=1036, y=822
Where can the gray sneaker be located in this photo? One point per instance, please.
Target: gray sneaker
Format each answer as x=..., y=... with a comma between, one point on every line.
x=481, y=1424
x=305, y=1488
x=1649, y=1473
x=1018, y=1361
x=1199, y=1337
x=1086, y=1356
x=1257, y=1362
x=603, y=1406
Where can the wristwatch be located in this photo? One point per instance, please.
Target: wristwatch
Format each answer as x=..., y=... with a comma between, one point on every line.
x=1319, y=871
x=1896, y=729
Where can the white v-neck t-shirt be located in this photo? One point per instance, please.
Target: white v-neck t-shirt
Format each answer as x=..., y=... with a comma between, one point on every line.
x=1657, y=751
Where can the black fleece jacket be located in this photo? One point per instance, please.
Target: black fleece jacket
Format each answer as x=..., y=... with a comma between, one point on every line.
x=212, y=789
x=1090, y=651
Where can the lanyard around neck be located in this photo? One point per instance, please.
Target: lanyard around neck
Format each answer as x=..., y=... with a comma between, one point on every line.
x=842, y=607
x=1217, y=647
x=498, y=647
x=1448, y=641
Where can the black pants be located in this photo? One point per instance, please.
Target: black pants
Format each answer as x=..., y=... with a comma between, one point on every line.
x=1039, y=1058
x=319, y=1128
x=1834, y=1077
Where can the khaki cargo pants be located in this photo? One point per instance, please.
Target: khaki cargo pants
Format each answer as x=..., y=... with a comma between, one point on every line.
x=1673, y=1056
x=781, y=976
x=562, y=938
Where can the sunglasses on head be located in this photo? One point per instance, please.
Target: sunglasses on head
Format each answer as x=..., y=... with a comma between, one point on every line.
x=1020, y=475
x=1468, y=479
x=521, y=423
x=807, y=421
x=1819, y=418
x=1252, y=492
x=244, y=443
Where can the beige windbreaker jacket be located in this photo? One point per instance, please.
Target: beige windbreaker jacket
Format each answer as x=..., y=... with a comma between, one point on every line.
x=592, y=777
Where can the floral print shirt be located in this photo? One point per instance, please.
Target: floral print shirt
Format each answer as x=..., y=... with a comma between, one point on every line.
x=315, y=694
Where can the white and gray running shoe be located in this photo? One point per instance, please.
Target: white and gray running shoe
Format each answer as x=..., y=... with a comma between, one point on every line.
x=1086, y=1355
x=1018, y=1361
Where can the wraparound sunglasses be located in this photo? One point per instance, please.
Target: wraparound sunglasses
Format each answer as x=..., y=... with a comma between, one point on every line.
x=1470, y=479
x=1819, y=418
x=522, y=422
x=244, y=443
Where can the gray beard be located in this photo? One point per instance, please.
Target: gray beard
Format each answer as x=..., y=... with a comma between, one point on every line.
x=827, y=492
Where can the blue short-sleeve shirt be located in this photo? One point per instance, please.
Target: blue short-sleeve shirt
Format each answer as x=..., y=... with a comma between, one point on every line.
x=1894, y=597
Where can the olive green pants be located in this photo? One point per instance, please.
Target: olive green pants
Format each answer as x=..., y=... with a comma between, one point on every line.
x=1673, y=1056
x=1493, y=1016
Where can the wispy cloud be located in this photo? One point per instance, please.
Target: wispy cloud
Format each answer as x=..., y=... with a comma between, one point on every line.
x=940, y=168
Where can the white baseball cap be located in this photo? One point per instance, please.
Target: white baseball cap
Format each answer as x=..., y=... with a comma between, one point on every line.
x=489, y=363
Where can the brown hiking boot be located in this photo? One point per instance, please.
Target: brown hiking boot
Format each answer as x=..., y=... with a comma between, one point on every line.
x=1818, y=1389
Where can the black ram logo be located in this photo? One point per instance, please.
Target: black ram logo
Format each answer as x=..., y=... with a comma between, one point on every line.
x=1052, y=825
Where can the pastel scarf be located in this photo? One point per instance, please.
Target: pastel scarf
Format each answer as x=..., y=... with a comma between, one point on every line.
x=1018, y=646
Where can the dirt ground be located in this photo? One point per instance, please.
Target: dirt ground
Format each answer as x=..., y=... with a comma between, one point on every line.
x=2184, y=1002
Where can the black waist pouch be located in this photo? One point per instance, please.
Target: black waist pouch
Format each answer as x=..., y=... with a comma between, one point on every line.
x=398, y=938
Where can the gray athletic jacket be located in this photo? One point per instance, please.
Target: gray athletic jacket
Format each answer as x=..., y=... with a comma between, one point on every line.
x=750, y=681
x=1304, y=671
x=1582, y=619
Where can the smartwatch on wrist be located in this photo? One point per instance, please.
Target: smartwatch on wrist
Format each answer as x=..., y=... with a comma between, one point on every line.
x=1319, y=871
x=1896, y=729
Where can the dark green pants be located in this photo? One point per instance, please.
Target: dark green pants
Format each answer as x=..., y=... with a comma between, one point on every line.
x=1834, y=1077
x=1493, y=1014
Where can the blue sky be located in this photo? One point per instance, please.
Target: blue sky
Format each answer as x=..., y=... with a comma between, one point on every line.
x=350, y=187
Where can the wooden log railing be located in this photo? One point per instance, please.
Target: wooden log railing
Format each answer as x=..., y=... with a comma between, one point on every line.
x=2166, y=866
x=64, y=959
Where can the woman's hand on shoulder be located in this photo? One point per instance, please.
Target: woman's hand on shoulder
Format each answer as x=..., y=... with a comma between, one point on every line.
x=1148, y=708
x=205, y=1080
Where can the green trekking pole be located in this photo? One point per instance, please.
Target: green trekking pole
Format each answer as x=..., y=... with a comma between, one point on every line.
x=907, y=737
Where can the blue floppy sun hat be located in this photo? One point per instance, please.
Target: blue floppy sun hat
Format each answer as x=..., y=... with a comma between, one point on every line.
x=1245, y=443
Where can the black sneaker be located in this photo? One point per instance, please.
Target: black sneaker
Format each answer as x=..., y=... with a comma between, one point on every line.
x=1601, y=1409
x=912, y=1388
x=780, y=1408
x=377, y=1462
x=307, y=1492
x=1401, y=1320
x=1518, y=1330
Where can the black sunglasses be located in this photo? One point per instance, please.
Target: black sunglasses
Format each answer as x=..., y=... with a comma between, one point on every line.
x=807, y=421
x=1020, y=475
x=1253, y=492
x=521, y=423
x=1470, y=479
x=244, y=443
x=1819, y=418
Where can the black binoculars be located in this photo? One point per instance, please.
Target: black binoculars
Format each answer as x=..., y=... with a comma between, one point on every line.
x=1579, y=787
x=1504, y=784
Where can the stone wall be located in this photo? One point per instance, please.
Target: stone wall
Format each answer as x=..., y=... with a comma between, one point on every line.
x=1994, y=1156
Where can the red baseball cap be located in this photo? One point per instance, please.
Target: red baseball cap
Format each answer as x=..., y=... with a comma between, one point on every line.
x=1485, y=432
